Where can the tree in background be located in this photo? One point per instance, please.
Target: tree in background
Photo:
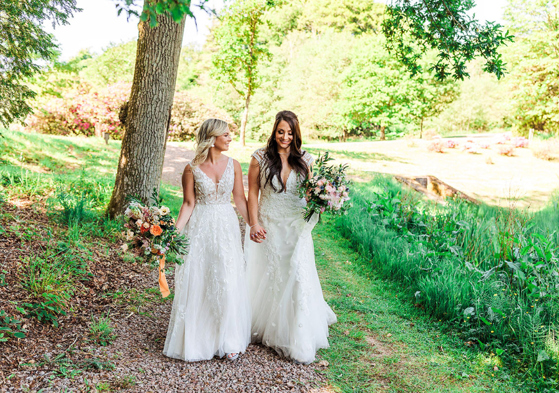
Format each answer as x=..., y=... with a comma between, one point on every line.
x=148, y=112
x=414, y=27
x=534, y=79
x=115, y=64
x=429, y=97
x=377, y=89
x=240, y=49
x=23, y=45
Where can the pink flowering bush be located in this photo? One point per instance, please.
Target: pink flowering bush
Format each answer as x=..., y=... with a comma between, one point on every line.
x=484, y=145
x=436, y=145
x=82, y=111
x=520, y=141
x=89, y=112
x=471, y=147
x=506, y=150
x=451, y=144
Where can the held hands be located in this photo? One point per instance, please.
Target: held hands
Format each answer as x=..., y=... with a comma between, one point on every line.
x=257, y=233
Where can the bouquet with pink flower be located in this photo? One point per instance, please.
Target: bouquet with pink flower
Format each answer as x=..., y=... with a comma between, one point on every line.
x=151, y=230
x=327, y=190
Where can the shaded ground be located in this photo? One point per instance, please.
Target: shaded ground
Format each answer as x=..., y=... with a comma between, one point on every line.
x=54, y=359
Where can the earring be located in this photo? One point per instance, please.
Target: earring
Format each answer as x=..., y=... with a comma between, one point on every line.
x=212, y=145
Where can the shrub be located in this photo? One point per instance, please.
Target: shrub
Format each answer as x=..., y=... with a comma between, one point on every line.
x=88, y=111
x=471, y=147
x=506, y=150
x=436, y=145
x=82, y=111
x=451, y=144
x=520, y=141
x=546, y=150
x=188, y=114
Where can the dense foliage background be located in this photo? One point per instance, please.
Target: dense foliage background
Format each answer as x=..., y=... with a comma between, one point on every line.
x=327, y=61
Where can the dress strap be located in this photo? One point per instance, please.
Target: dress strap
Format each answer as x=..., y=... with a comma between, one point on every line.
x=259, y=155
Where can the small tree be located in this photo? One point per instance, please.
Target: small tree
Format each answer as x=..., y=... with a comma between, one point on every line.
x=377, y=90
x=23, y=45
x=241, y=49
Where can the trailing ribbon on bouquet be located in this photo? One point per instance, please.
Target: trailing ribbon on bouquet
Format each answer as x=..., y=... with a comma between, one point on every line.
x=163, y=287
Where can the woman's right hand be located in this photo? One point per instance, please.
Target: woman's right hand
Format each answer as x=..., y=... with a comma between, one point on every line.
x=257, y=233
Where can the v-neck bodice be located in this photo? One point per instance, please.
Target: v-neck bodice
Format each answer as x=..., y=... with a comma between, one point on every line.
x=209, y=192
x=280, y=204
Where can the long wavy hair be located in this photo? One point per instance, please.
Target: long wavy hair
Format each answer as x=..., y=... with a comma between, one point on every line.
x=273, y=159
x=205, y=138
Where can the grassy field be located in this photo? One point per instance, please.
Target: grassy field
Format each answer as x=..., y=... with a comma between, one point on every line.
x=384, y=340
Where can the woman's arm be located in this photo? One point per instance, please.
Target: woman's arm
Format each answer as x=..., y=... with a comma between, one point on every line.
x=239, y=192
x=257, y=233
x=189, y=198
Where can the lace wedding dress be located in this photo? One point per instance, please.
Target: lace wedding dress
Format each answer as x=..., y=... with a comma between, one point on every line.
x=289, y=313
x=211, y=310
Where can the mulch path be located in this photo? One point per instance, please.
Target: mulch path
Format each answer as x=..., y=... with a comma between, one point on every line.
x=53, y=359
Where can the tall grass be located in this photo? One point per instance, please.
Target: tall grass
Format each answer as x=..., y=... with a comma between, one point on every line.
x=493, y=273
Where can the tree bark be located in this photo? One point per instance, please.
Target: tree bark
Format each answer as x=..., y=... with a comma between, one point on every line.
x=244, y=120
x=382, y=133
x=421, y=129
x=148, y=112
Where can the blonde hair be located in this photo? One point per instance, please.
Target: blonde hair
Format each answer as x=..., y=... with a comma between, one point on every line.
x=205, y=138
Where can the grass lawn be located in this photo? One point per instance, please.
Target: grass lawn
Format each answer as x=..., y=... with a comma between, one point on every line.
x=382, y=342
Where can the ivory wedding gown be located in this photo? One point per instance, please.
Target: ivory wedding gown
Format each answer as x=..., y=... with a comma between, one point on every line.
x=289, y=313
x=211, y=310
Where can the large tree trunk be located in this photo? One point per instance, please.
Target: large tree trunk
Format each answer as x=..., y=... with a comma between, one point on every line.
x=149, y=111
x=382, y=133
x=244, y=120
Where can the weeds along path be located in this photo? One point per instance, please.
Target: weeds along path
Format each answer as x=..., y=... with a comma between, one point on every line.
x=381, y=341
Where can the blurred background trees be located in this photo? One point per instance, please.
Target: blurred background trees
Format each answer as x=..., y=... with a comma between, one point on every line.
x=328, y=62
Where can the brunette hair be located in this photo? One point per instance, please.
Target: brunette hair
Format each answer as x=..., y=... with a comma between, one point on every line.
x=272, y=158
x=205, y=138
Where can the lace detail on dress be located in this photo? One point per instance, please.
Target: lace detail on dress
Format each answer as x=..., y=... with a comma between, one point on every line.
x=289, y=311
x=211, y=309
x=210, y=193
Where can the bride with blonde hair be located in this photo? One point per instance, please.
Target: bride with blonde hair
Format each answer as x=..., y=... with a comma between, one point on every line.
x=211, y=310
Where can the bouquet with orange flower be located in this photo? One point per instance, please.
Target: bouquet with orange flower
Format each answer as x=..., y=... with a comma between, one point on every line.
x=151, y=230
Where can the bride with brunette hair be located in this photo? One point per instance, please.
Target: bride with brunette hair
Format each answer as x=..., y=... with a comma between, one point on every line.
x=289, y=313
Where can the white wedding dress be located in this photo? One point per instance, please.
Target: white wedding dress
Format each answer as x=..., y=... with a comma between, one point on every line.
x=289, y=313
x=211, y=310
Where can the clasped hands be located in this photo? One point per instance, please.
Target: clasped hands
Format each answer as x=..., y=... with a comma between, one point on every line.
x=257, y=233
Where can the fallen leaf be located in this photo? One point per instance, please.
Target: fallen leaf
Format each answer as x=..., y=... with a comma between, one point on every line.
x=323, y=363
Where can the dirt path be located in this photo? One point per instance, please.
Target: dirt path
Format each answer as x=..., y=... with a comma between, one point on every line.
x=176, y=159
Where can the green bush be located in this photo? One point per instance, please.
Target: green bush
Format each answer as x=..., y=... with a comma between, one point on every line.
x=492, y=273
